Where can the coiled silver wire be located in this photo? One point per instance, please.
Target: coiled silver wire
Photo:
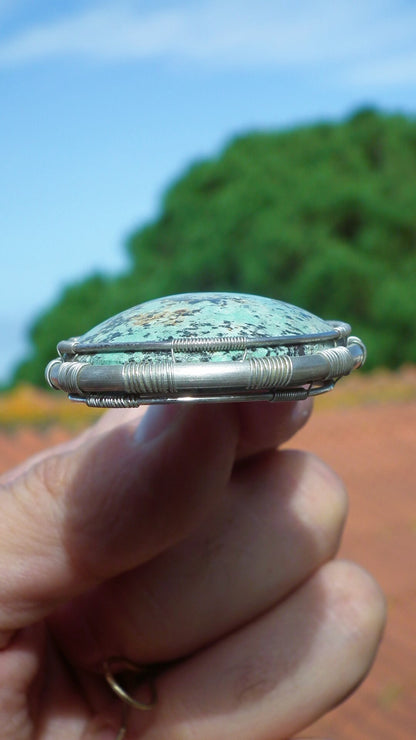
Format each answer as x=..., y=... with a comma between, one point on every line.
x=204, y=344
x=269, y=372
x=149, y=378
x=339, y=360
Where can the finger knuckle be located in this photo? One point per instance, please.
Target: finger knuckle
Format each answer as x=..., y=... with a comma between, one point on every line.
x=326, y=504
x=357, y=604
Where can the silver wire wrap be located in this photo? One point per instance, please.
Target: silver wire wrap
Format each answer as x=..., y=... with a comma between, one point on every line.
x=269, y=372
x=70, y=347
x=112, y=402
x=339, y=360
x=204, y=344
x=68, y=375
x=359, y=342
x=149, y=378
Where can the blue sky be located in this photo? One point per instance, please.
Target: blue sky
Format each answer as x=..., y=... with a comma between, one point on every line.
x=103, y=104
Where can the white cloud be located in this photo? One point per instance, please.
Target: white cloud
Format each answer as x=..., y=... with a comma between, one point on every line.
x=100, y=33
x=399, y=69
x=371, y=36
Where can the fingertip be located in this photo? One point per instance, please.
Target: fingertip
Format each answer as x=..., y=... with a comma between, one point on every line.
x=356, y=609
x=156, y=420
x=301, y=412
x=265, y=426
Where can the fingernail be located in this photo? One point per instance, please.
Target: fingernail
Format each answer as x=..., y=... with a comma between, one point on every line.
x=157, y=419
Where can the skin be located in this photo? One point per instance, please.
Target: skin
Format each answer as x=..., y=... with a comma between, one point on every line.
x=181, y=536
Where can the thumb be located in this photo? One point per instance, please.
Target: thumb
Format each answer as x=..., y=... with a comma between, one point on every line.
x=90, y=511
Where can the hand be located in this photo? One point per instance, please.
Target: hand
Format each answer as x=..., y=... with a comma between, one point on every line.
x=183, y=538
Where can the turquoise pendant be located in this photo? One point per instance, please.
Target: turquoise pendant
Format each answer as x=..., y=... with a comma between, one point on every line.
x=200, y=347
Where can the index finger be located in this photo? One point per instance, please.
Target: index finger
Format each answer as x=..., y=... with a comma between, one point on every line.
x=262, y=425
x=105, y=505
x=265, y=426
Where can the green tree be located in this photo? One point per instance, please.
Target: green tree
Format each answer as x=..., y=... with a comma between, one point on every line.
x=323, y=216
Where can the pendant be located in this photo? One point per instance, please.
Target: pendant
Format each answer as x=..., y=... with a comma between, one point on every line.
x=205, y=347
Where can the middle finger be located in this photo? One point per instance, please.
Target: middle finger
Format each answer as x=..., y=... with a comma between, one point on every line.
x=282, y=519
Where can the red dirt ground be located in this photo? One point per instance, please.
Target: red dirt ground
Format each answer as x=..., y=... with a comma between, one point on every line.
x=373, y=448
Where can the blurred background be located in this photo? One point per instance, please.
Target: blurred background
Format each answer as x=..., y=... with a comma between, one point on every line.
x=153, y=147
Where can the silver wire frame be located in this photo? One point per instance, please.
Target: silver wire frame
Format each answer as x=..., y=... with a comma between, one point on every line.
x=281, y=377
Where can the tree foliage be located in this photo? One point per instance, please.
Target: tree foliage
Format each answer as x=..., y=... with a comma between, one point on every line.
x=323, y=216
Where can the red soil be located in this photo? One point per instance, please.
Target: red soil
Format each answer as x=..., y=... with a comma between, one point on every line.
x=373, y=448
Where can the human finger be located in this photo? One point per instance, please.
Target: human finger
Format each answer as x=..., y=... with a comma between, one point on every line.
x=280, y=673
x=86, y=513
x=282, y=519
x=265, y=426
x=116, y=417
x=262, y=425
x=67, y=488
x=104, y=424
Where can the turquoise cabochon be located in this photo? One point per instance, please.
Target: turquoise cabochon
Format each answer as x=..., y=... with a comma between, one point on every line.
x=204, y=316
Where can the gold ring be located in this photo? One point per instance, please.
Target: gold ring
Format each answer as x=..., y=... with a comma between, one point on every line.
x=143, y=675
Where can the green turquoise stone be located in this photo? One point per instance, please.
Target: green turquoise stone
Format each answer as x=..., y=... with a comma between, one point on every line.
x=204, y=315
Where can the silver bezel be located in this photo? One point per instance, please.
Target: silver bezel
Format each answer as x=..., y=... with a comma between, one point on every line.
x=279, y=377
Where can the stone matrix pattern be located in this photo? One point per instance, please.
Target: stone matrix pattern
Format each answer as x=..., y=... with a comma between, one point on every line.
x=204, y=316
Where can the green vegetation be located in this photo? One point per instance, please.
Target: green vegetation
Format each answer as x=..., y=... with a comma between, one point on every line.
x=322, y=216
